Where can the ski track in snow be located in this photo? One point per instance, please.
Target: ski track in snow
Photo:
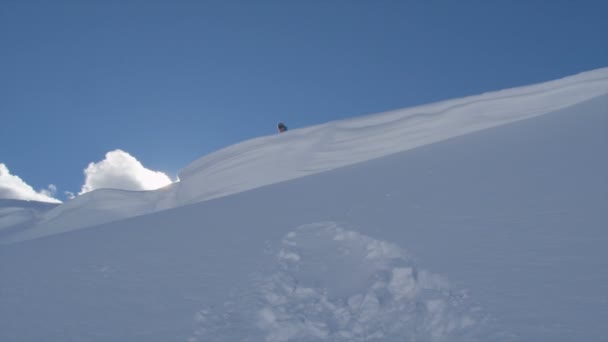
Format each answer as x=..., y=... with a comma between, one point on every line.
x=333, y=284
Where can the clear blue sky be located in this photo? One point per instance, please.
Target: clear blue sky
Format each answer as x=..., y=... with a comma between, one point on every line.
x=170, y=81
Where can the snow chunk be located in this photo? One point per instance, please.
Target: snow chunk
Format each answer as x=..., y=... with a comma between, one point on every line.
x=332, y=284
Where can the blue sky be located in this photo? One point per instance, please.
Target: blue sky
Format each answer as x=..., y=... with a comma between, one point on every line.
x=170, y=81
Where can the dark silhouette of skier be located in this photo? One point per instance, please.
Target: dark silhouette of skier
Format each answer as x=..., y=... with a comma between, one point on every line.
x=282, y=128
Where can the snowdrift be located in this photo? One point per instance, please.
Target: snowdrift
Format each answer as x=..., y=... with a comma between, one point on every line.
x=15, y=213
x=336, y=144
x=307, y=151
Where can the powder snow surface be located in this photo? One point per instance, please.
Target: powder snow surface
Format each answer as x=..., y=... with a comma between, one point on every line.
x=332, y=284
x=496, y=235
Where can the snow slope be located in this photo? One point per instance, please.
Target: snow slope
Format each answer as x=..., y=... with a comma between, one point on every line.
x=15, y=213
x=496, y=235
x=301, y=152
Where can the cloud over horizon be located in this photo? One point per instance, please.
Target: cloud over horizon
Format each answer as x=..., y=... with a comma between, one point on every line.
x=120, y=170
x=13, y=187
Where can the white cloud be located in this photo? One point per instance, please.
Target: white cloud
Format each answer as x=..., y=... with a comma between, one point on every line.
x=50, y=192
x=13, y=187
x=120, y=170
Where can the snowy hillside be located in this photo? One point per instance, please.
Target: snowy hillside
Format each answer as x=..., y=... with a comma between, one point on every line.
x=302, y=152
x=456, y=221
x=16, y=213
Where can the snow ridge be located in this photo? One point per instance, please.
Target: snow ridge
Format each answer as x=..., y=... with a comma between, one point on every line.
x=301, y=152
x=306, y=151
x=14, y=213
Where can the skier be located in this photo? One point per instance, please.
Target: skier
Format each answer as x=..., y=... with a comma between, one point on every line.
x=282, y=128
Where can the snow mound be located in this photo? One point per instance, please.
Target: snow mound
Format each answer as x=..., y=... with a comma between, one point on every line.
x=332, y=284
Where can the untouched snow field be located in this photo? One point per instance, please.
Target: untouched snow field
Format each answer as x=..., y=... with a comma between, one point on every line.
x=495, y=235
